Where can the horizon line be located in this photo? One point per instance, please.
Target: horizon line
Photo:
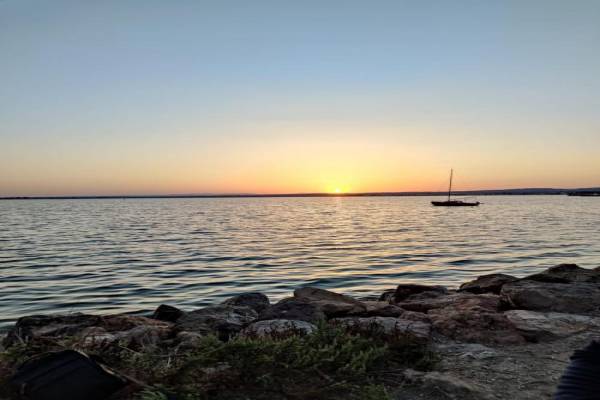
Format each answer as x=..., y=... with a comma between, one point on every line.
x=479, y=192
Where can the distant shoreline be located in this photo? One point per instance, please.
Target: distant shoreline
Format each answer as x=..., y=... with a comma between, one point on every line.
x=492, y=192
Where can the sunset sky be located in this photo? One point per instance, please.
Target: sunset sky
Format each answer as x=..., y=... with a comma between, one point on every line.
x=158, y=97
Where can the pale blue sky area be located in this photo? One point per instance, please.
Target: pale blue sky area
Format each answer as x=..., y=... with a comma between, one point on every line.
x=229, y=96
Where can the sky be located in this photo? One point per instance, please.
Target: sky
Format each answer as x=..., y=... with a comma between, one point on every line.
x=164, y=97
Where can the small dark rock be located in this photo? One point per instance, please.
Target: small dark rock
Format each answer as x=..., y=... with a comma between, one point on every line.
x=167, y=313
x=405, y=290
x=491, y=283
x=255, y=300
x=388, y=295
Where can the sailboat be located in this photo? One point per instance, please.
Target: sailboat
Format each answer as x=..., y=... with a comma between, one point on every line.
x=454, y=203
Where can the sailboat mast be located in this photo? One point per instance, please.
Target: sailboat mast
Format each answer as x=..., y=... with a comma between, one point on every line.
x=450, y=187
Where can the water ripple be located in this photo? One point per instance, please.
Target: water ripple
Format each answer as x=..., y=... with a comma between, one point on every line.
x=129, y=255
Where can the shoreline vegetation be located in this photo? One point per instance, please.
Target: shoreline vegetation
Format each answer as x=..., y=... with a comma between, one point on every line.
x=495, y=337
x=492, y=192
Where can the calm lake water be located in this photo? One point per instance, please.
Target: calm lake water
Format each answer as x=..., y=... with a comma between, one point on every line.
x=126, y=255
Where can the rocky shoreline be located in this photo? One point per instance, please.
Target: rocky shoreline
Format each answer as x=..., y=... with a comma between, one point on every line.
x=493, y=338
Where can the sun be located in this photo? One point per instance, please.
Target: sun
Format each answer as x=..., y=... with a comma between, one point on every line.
x=337, y=190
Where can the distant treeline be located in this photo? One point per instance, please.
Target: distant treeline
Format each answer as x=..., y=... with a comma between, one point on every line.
x=497, y=192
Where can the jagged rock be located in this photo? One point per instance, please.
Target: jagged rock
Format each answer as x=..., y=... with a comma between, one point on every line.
x=491, y=283
x=124, y=322
x=167, y=313
x=566, y=273
x=472, y=318
x=381, y=309
x=474, y=324
x=574, y=298
x=406, y=290
x=40, y=326
x=488, y=301
x=223, y=320
x=539, y=326
x=387, y=327
x=332, y=304
x=255, y=300
x=453, y=387
x=388, y=295
x=278, y=328
x=293, y=309
x=88, y=329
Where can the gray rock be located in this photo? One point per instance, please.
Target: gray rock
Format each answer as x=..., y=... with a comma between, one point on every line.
x=573, y=298
x=491, y=283
x=387, y=327
x=332, y=304
x=472, y=318
x=488, y=301
x=278, y=329
x=222, y=320
x=255, y=300
x=293, y=309
x=566, y=273
x=540, y=326
x=405, y=290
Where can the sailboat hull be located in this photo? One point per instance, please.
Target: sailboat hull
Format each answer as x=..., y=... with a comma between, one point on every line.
x=455, y=203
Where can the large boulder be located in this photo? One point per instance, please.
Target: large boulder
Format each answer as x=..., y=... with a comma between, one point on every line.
x=465, y=300
x=293, y=309
x=574, y=298
x=566, y=273
x=255, y=300
x=49, y=326
x=491, y=283
x=90, y=330
x=332, y=304
x=407, y=290
x=277, y=329
x=474, y=325
x=538, y=326
x=387, y=327
x=222, y=320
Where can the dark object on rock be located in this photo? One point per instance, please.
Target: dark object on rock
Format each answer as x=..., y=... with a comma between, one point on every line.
x=581, y=379
x=66, y=374
x=566, y=273
x=255, y=300
x=574, y=298
x=167, y=313
x=293, y=309
x=35, y=326
x=491, y=283
x=403, y=291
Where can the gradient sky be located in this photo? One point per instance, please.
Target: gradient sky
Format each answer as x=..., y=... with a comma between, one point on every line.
x=139, y=97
